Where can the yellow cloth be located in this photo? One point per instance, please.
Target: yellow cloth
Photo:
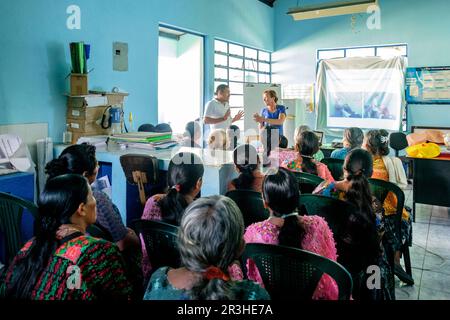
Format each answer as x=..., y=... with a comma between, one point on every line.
x=424, y=150
x=390, y=203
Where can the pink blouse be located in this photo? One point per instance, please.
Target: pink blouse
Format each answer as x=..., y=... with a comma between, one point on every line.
x=317, y=238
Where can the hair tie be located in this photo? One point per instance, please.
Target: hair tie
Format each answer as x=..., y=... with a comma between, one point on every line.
x=309, y=157
x=284, y=216
x=213, y=272
x=384, y=139
x=177, y=187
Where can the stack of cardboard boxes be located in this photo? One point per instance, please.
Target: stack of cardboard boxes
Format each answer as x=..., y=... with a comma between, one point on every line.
x=85, y=110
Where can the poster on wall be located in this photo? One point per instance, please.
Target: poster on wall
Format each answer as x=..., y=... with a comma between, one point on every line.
x=430, y=85
x=361, y=92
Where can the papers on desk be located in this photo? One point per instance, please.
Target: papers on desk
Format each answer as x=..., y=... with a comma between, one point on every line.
x=145, y=140
x=97, y=141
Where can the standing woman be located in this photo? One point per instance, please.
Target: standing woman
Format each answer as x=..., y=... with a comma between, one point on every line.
x=272, y=114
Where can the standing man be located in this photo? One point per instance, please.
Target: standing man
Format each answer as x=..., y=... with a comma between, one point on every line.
x=217, y=111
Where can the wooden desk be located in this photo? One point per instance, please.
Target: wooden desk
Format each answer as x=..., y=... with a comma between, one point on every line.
x=431, y=183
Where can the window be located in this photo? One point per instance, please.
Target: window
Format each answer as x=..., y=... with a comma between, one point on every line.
x=236, y=65
x=369, y=51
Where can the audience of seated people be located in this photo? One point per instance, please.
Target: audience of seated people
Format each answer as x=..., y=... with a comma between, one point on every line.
x=44, y=269
x=353, y=138
x=364, y=232
x=192, y=136
x=286, y=227
x=246, y=162
x=307, y=145
x=390, y=169
x=210, y=240
x=184, y=179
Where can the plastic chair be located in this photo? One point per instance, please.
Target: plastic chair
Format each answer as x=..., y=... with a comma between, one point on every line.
x=11, y=211
x=160, y=240
x=98, y=231
x=337, y=214
x=251, y=204
x=141, y=171
x=398, y=141
x=335, y=166
x=293, y=274
x=380, y=190
x=307, y=182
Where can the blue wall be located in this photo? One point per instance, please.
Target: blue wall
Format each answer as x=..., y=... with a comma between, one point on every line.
x=423, y=25
x=34, y=54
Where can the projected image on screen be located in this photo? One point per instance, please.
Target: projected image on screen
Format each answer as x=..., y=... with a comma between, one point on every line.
x=346, y=106
x=379, y=106
x=363, y=98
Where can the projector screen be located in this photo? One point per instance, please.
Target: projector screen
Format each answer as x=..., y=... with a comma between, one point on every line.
x=362, y=92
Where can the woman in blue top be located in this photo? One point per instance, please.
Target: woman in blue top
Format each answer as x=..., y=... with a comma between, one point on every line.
x=273, y=114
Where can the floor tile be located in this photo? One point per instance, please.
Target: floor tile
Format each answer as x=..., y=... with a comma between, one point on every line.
x=432, y=294
x=420, y=234
x=439, y=240
x=437, y=263
x=407, y=293
x=435, y=281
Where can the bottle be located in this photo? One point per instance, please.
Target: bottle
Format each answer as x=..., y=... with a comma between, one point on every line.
x=67, y=135
x=130, y=120
x=116, y=120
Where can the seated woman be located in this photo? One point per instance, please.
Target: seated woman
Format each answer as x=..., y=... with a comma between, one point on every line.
x=192, y=136
x=286, y=227
x=61, y=262
x=217, y=140
x=364, y=232
x=80, y=159
x=282, y=154
x=246, y=162
x=210, y=240
x=307, y=145
x=353, y=138
x=184, y=178
x=376, y=142
x=233, y=137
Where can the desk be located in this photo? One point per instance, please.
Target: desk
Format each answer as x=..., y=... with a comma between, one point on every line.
x=218, y=170
x=431, y=182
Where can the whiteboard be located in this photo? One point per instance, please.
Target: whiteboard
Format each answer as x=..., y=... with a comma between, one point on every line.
x=253, y=103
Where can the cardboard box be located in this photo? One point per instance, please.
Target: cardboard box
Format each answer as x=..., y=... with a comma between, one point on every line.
x=86, y=126
x=77, y=135
x=115, y=98
x=88, y=101
x=78, y=84
x=89, y=114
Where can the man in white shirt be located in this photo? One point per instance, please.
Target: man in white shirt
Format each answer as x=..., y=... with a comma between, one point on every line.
x=217, y=111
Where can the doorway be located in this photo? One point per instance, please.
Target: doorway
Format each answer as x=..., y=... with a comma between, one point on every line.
x=180, y=77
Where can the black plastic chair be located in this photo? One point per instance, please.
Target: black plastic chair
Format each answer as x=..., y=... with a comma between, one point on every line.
x=160, y=240
x=98, y=231
x=337, y=214
x=380, y=189
x=11, y=212
x=293, y=274
x=335, y=166
x=140, y=171
x=398, y=141
x=307, y=182
x=251, y=204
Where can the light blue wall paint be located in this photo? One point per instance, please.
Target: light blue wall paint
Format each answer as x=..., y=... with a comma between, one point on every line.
x=423, y=25
x=34, y=55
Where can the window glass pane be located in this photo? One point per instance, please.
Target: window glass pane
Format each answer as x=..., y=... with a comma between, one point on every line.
x=387, y=52
x=264, y=67
x=251, y=53
x=265, y=56
x=236, y=63
x=264, y=78
x=236, y=101
x=251, y=65
x=237, y=87
x=220, y=73
x=236, y=50
x=251, y=76
x=221, y=60
x=237, y=75
x=360, y=52
x=220, y=46
x=330, y=54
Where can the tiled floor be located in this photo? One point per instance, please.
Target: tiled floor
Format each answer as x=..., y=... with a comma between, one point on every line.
x=430, y=254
